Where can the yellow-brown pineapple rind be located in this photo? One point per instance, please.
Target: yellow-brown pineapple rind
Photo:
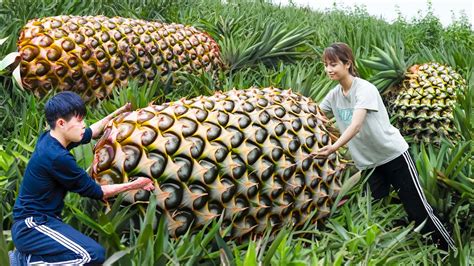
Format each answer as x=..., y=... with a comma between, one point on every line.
x=241, y=154
x=92, y=54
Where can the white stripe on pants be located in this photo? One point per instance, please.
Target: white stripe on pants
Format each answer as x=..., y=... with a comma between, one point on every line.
x=429, y=210
x=61, y=239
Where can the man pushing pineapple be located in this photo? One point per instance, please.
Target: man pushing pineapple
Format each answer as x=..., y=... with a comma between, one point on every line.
x=38, y=232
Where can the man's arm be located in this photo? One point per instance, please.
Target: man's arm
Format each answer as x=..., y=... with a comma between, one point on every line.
x=99, y=126
x=139, y=183
x=357, y=120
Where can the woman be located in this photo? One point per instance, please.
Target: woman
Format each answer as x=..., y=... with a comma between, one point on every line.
x=373, y=142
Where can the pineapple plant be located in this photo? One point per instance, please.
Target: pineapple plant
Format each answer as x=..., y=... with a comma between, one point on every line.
x=421, y=96
x=244, y=156
x=93, y=54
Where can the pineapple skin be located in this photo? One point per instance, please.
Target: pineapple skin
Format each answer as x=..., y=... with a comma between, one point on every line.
x=425, y=100
x=93, y=54
x=242, y=154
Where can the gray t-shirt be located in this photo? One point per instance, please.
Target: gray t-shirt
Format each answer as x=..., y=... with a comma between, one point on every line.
x=377, y=142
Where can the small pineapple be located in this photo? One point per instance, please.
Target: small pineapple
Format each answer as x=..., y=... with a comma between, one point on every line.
x=244, y=155
x=93, y=54
x=421, y=96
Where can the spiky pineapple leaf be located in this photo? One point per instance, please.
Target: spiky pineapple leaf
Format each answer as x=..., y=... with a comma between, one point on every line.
x=276, y=43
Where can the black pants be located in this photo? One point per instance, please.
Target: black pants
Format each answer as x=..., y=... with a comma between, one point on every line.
x=402, y=175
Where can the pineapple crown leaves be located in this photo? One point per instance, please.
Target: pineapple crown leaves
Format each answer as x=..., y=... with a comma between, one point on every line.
x=223, y=27
x=274, y=44
x=390, y=65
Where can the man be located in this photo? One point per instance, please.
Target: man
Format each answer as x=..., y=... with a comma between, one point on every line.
x=38, y=232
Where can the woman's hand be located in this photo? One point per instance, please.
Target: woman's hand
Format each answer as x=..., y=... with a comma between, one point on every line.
x=325, y=151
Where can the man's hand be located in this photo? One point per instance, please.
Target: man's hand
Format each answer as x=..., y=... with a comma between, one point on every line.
x=98, y=127
x=325, y=151
x=139, y=183
x=125, y=108
x=143, y=183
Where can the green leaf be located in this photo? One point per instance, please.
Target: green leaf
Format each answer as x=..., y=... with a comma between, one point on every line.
x=24, y=145
x=251, y=255
x=282, y=235
x=225, y=251
x=118, y=255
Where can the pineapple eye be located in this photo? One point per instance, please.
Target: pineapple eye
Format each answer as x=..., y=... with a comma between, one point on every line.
x=148, y=136
x=172, y=143
x=296, y=124
x=242, y=204
x=254, y=155
x=264, y=117
x=248, y=107
x=185, y=168
x=222, y=118
x=184, y=220
x=105, y=156
x=229, y=106
x=105, y=37
x=110, y=176
x=261, y=135
x=125, y=130
x=211, y=174
x=175, y=195
x=53, y=54
x=188, y=126
x=197, y=147
x=29, y=53
x=201, y=115
x=180, y=110
x=42, y=68
x=200, y=194
x=244, y=121
x=238, y=168
x=45, y=41
x=164, y=121
x=230, y=190
x=158, y=167
x=295, y=108
x=56, y=24
x=280, y=112
x=132, y=157
x=268, y=171
x=237, y=137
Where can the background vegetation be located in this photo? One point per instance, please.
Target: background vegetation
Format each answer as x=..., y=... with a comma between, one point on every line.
x=263, y=45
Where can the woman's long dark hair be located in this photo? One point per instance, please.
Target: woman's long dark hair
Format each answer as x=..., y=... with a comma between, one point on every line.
x=340, y=51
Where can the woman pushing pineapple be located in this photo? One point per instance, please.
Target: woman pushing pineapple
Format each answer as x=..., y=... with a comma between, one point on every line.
x=39, y=234
x=373, y=142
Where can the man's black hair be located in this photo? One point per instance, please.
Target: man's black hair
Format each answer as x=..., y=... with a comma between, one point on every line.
x=65, y=105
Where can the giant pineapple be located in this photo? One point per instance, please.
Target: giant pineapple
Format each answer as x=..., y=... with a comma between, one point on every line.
x=93, y=54
x=420, y=96
x=244, y=155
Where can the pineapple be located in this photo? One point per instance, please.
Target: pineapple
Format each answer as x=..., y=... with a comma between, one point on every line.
x=93, y=54
x=243, y=156
x=421, y=96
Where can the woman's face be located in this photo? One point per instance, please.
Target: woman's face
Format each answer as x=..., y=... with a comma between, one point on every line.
x=336, y=70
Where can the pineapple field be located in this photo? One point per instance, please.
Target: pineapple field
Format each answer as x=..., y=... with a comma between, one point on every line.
x=225, y=121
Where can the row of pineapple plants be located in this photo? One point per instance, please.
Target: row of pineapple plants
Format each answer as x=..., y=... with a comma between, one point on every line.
x=275, y=52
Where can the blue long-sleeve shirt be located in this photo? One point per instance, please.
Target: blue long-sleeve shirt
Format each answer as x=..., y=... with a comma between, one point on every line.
x=51, y=172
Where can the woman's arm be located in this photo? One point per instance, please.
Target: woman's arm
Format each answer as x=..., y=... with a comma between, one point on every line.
x=358, y=118
x=99, y=126
x=139, y=183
